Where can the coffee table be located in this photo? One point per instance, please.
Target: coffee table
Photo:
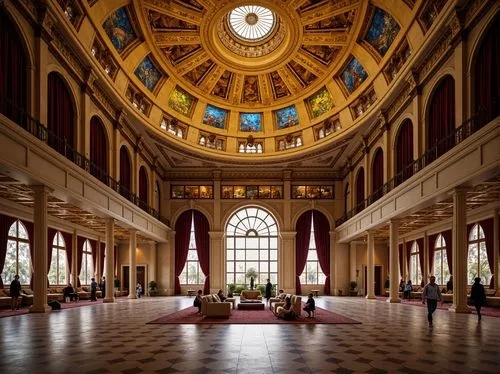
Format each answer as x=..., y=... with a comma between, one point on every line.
x=251, y=306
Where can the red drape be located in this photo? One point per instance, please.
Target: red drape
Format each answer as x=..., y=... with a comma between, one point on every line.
x=13, y=71
x=360, y=188
x=420, y=243
x=441, y=120
x=488, y=229
x=431, y=243
x=182, y=233
x=125, y=167
x=68, y=241
x=408, y=251
x=377, y=174
x=447, y=236
x=98, y=149
x=303, y=229
x=400, y=250
x=79, y=253
x=101, y=259
x=486, y=75
x=201, y=229
x=322, y=238
x=143, y=185
x=60, y=114
x=404, y=152
x=5, y=223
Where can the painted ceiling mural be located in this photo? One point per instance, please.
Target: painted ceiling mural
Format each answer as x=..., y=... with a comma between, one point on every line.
x=353, y=75
x=148, y=73
x=382, y=31
x=119, y=29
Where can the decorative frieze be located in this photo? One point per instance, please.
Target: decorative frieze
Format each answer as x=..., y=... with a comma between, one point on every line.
x=327, y=127
x=363, y=102
x=172, y=126
x=138, y=100
x=104, y=57
x=397, y=61
x=250, y=145
x=289, y=141
x=212, y=141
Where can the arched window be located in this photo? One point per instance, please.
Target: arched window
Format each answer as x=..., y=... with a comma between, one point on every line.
x=60, y=116
x=192, y=273
x=13, y=71
x=251, y=243
x=98, y=150
x=87, y=271
x=58, y=273
x=17, y=258
x=441, y=118
x=477, y=259
x=404, y=152
x=441, y=269
x=377, y=174
x=360, y=190
x=486, y=74
x=125, y=172
x=415, y=273
x=143, y=187
x=312, y=273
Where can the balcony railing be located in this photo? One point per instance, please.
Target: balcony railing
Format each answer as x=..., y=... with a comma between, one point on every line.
x=469, y=127
x=35, y=128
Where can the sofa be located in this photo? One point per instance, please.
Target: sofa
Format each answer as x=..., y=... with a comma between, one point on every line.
x=5, y=299
x=211, y=306
x=492, y=298
x=250, y=295
x=296, y=304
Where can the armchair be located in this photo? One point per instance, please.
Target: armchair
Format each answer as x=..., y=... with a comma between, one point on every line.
x=212, y=308
x=250, y=295
x=296, y=304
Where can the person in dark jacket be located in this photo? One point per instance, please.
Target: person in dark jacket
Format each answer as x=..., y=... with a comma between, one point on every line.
x=15, y=292
x=478, y=296
x=310, y=305
x=449, y=284
x=269, y=290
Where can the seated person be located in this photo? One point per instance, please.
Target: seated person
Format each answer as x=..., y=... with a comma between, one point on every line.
x=221, y=296
x=197, y=300
x=286, y=312
x=407, y=291
x=281, y=295
x=69, y=292
x=310, y=305
x=449, y=284
x=401, y=285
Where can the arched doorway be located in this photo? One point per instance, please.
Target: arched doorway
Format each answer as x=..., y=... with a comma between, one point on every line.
x=251, y=243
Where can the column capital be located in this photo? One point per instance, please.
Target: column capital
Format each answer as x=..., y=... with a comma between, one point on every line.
x=41, y=188
x=216, y=234
x=132, y=231
x=288, y=235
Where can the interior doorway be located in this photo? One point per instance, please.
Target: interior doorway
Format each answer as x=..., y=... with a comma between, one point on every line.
x=141, y=278
x=378, y=280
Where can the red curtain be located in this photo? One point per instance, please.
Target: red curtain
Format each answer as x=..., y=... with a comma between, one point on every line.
x=488, y=229
x=377, y=174
x=404, y=152
x=400, y=250
x=447, y=236
x=360, y=188
x=68, y=241
x=201, y=229
x=408, y=251
x=143, y=185
x=486, y=75
x=103, y=255
x=420, y=243
x=60, y=114
x=431, y=243
x=441, y=120
x=322, y=238
x=125, y=167
x=5, y=223
x=303, y=229
x=30, y=227
x=182, y=233
x=98, y=149
x=13, y=71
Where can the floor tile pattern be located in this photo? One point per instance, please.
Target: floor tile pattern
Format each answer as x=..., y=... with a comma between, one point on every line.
x=114, y=338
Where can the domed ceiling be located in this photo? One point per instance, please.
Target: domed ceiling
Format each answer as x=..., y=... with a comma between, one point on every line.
x=277, y=74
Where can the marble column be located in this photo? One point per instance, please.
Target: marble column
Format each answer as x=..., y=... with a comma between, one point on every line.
x=353, y=262
x=459, y=232
x=40, y=251
x=74, y=265
x=370, y=269
x=333, y=278
x=425, y=266
x=109, y=261
x=132, y=264
x=404, y=270
x=393, y=262
x=286, y=263
x=217, y=262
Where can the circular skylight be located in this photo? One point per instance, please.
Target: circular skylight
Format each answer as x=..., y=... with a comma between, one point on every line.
x=252, y=23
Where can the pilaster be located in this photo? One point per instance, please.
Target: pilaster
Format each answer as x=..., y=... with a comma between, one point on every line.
x=353, y=273
x=370, y=269
x=425, y=265
x=217, y=261
x=393, y=262
x=496, y=245
x=109, y=261
x=286, y=263
x=74, y=260
x=132, y=264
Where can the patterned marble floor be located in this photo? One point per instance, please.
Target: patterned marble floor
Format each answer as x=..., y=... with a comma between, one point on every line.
x=114, y=338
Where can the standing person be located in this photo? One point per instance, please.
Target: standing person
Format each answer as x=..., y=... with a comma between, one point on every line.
x=449, y=284
x=408, y=289
x=433, y=295
x=15, y=292
x=93, y=290
x=478, y=296
x=138, y=290
x=401, y=285
x=103, y=287
x=197, y=300
x=269, y=290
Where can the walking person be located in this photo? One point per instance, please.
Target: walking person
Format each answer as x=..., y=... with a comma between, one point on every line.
x=432, y=295
x=478, y=296
x=269, y=290
x=408, y=290
x=93, y=290
x=103, y=287
x=15, y=292
x=138, y=290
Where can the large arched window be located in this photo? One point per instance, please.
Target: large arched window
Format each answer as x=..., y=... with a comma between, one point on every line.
x=98, y=149
x=87, y=271
x=477, y=259
x=125, y=172
x=360, y=190
x=312, y=273
x=192, y=272
x=486, y=74
x=404, y=152
x=58, y=273
x=415, y=272
x=13, y=71
x=441, y=118
x=60, y=116
x=143, y=187
x=251, y=242
x=17, y=258
x=377, y=174
x=441, y=269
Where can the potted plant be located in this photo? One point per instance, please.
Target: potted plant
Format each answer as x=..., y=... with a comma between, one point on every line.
x=252, y=274
x=230, y=289
x=153, y=288
x=353, y=288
